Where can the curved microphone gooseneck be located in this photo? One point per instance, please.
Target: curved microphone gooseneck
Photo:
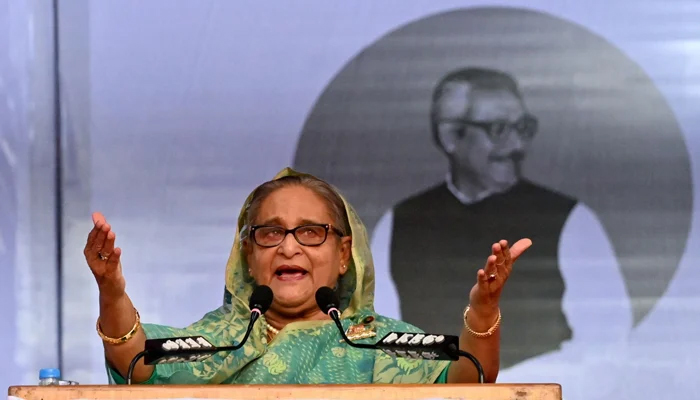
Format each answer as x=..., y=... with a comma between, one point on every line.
x=260, y=301
x=132, y=366
x=328, y=302
x=474, y=360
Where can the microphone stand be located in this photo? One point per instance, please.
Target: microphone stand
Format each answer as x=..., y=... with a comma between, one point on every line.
x=213, y=350
x=333, y=313
x=456, y=352
x=132, y=365
x=474, y=360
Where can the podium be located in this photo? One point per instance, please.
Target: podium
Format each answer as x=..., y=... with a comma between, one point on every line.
x=259, y=392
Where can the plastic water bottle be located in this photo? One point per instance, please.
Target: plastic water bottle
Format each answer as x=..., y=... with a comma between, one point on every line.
x=52, y=377
x=49, y=377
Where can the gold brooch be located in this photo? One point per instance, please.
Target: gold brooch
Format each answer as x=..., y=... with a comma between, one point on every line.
x=361, y=331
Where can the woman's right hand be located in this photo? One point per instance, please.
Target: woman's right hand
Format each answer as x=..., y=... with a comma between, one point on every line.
x=117, y=312
x=104, y=259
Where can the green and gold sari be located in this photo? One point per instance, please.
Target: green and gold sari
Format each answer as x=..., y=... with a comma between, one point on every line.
x=303, y=352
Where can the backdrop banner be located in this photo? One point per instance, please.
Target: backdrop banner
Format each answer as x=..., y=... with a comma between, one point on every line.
x=448, y=125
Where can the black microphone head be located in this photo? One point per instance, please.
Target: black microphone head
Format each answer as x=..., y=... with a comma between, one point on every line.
x=327, y=299
x=261, y=299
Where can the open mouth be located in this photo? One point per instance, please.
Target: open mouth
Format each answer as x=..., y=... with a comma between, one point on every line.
x=290, y=272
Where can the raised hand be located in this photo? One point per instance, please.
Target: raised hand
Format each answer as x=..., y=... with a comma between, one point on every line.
x=103, y=258
x=485, y=294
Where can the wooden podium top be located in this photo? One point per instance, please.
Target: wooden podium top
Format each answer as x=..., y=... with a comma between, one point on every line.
x=257, y=392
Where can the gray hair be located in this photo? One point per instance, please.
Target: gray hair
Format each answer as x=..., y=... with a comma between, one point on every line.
x=327, y=192
x=478, y=78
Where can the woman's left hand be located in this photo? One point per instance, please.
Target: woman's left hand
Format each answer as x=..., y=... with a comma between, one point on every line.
x=485, y=294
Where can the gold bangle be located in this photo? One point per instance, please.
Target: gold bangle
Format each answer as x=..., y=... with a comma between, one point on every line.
x=124, y=338
x=482, y=334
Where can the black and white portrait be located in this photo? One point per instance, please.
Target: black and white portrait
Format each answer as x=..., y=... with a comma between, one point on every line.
x=481, y=123
x=453, y=131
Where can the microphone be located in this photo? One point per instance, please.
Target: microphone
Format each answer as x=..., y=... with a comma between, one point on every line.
x=198, y=348
x=401, y=344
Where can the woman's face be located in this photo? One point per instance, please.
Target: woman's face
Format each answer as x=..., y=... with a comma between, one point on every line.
x=293, y=271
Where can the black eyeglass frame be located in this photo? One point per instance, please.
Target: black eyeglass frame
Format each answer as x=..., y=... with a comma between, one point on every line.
x=526, y=127
x=327, y=228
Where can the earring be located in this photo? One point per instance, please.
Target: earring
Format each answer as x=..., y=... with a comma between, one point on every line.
x=250, y=272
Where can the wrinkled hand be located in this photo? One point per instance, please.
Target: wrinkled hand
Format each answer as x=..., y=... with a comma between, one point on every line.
x=485, y=294
x=103, y=258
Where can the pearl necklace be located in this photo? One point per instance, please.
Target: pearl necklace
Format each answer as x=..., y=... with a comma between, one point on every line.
x=272, y=329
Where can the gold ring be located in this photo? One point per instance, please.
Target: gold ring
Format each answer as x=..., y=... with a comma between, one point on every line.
x=492, y=277
x=102, y=257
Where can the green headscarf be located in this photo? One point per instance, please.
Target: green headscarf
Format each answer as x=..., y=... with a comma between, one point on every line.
x=355, y=288
x=303, y=352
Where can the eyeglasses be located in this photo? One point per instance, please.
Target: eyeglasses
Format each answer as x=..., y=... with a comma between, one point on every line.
x=306, y=235
x=497, y=130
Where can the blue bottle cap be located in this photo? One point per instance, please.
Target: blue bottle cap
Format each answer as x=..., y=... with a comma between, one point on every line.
x=49, y=373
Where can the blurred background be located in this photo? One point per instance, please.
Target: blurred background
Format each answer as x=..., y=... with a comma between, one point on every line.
x=164, y=115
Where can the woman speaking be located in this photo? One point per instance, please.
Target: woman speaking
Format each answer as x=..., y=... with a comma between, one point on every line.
x=295, y=234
